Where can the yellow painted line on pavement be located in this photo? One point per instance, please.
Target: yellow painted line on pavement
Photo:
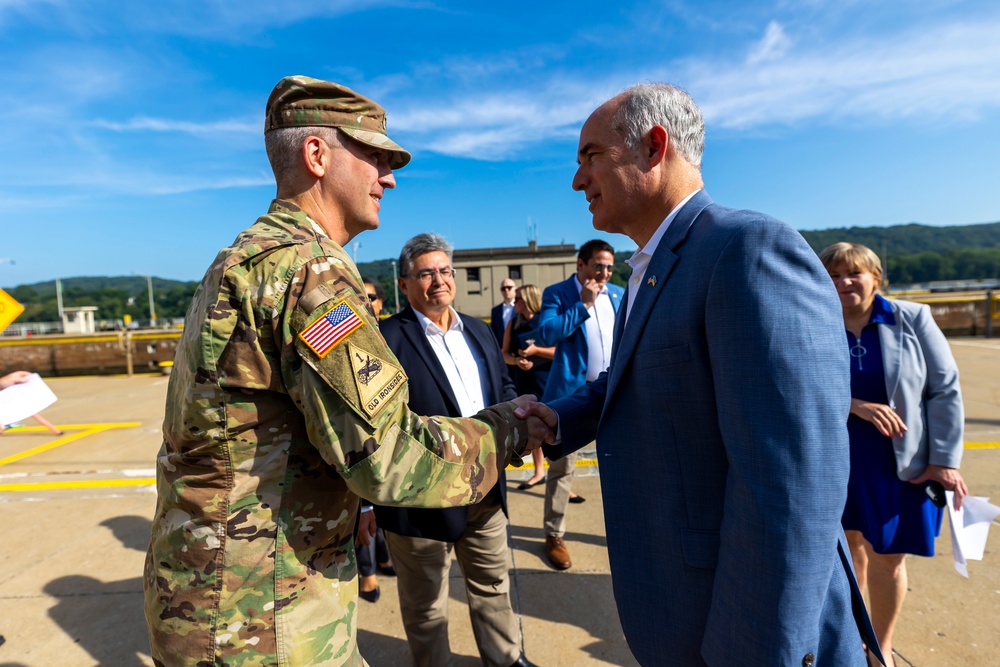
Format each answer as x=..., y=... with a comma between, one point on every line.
x=150, y=481
x=580, y=463
x=83, y=484
x=84, y=431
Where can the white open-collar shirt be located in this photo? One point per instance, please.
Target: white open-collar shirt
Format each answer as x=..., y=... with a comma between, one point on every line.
x=600, y=328
x=462, y=368
x=639, y=261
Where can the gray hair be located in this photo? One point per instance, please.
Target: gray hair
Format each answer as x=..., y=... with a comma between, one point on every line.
x=421, y=244
x=649, y=104
x=284, y=147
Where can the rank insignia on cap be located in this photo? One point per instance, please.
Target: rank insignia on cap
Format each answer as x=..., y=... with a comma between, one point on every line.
x=652, y=281
x=334, y=326
x=376, y=379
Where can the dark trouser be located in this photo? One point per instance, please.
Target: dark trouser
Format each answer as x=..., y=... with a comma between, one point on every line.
x=370, y=556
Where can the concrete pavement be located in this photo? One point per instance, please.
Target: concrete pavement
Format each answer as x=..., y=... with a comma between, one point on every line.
x=77, y=511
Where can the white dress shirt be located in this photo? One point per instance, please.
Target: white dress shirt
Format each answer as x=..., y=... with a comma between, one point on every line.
x=639, y=261
x=508, y=313
x=600, y=328
x=459, y=363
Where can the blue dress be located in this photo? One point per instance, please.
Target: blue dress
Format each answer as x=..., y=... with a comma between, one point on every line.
x=896, y=517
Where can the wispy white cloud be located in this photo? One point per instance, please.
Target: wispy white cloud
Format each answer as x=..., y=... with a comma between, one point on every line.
x=146, y=124
x=215, y=19
x=772, y=46
x=945, y=72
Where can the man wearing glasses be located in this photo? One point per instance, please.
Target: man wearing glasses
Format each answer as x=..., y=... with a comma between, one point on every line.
x=455, y=368
x=578, y=318
x=503, y=312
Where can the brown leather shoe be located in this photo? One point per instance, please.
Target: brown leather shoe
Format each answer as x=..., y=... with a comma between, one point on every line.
x=557, y=552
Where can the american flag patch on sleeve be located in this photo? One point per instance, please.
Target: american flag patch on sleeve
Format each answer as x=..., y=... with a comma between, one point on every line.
x=323, y=335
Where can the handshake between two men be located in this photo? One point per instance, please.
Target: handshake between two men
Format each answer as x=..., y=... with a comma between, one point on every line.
x=541, y=420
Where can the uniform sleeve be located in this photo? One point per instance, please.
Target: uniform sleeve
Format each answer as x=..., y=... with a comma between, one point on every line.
x=942, y=395
x=353, y=394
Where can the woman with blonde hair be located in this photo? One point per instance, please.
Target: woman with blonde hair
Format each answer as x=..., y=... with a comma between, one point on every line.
x=528, y=363
x=905, y=429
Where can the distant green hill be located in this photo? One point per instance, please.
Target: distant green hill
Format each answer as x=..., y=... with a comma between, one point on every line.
x=921, y=253
x=116, y=296
x=913, y=253
x=916, y=254
x=910, y=239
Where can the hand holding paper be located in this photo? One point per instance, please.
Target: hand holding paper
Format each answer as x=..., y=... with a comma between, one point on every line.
x=27, y=397
x=970, y=526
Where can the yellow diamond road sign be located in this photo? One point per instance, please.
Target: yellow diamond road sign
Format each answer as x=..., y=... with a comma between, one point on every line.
x=9, y=309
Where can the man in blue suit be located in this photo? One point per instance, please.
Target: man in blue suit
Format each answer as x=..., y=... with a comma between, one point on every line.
x=721, y=421
x=578, y=319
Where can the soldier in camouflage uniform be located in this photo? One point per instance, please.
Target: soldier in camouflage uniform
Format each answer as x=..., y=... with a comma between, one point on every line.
x=285, y=405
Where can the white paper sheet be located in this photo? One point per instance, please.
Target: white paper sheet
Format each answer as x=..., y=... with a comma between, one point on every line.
x=970, y=526
x=20, y=401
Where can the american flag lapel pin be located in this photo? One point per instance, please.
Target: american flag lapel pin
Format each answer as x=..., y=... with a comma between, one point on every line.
x=652, y=281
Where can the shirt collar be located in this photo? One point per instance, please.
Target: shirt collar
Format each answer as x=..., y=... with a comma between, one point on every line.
x=654, y=240
x=579, y=285
x=882, y=311
x=431, y=328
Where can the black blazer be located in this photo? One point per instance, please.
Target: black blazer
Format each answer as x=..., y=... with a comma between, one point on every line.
x=496, y=322
x=431, y=394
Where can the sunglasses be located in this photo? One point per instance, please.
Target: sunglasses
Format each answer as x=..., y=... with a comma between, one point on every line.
x=372, y=297
x=506, y=287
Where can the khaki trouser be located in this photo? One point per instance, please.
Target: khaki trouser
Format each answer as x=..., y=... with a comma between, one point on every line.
x=557, y=487
x=422, y=568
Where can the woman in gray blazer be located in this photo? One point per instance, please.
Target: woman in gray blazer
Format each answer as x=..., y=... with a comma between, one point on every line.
x=905, y=431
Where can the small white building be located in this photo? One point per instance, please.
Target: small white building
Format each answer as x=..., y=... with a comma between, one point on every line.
x=79, y=319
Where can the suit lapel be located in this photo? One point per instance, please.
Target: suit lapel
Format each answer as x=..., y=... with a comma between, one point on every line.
x=890, y=338
x=418, y=340
x=654, y=282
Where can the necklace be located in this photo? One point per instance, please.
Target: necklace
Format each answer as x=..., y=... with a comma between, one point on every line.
x=857, y=351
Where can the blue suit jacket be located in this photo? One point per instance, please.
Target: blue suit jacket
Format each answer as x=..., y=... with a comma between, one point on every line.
x=561, y=324
x=431, y=394
x=722, y=442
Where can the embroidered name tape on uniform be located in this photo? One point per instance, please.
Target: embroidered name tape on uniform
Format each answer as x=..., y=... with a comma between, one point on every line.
x=376, y=379
x=334, y=326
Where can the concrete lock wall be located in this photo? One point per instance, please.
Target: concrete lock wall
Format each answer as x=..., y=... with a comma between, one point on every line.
x=123, y=352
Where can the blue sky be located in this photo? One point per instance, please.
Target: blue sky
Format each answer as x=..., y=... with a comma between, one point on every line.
x=132, y=131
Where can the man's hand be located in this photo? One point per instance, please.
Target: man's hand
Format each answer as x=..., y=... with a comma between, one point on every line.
x=886, y=420
x=366, y=528
x=949, y=478
x=588, y=295
x=17, y=377
x=543, y=422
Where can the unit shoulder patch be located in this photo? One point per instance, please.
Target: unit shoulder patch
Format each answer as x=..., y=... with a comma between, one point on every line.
x=377, y=380
x=332, y=327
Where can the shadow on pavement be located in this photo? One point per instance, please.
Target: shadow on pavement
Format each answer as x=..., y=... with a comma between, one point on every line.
x=106, y=618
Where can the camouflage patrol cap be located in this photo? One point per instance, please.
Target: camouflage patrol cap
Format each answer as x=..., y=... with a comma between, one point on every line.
x=301, y=101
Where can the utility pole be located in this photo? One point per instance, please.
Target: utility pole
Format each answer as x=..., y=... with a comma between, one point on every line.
x=59, y=303
x=152, y=306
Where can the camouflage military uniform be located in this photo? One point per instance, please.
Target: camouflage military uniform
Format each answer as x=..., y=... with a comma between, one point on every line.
x=269, y=440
